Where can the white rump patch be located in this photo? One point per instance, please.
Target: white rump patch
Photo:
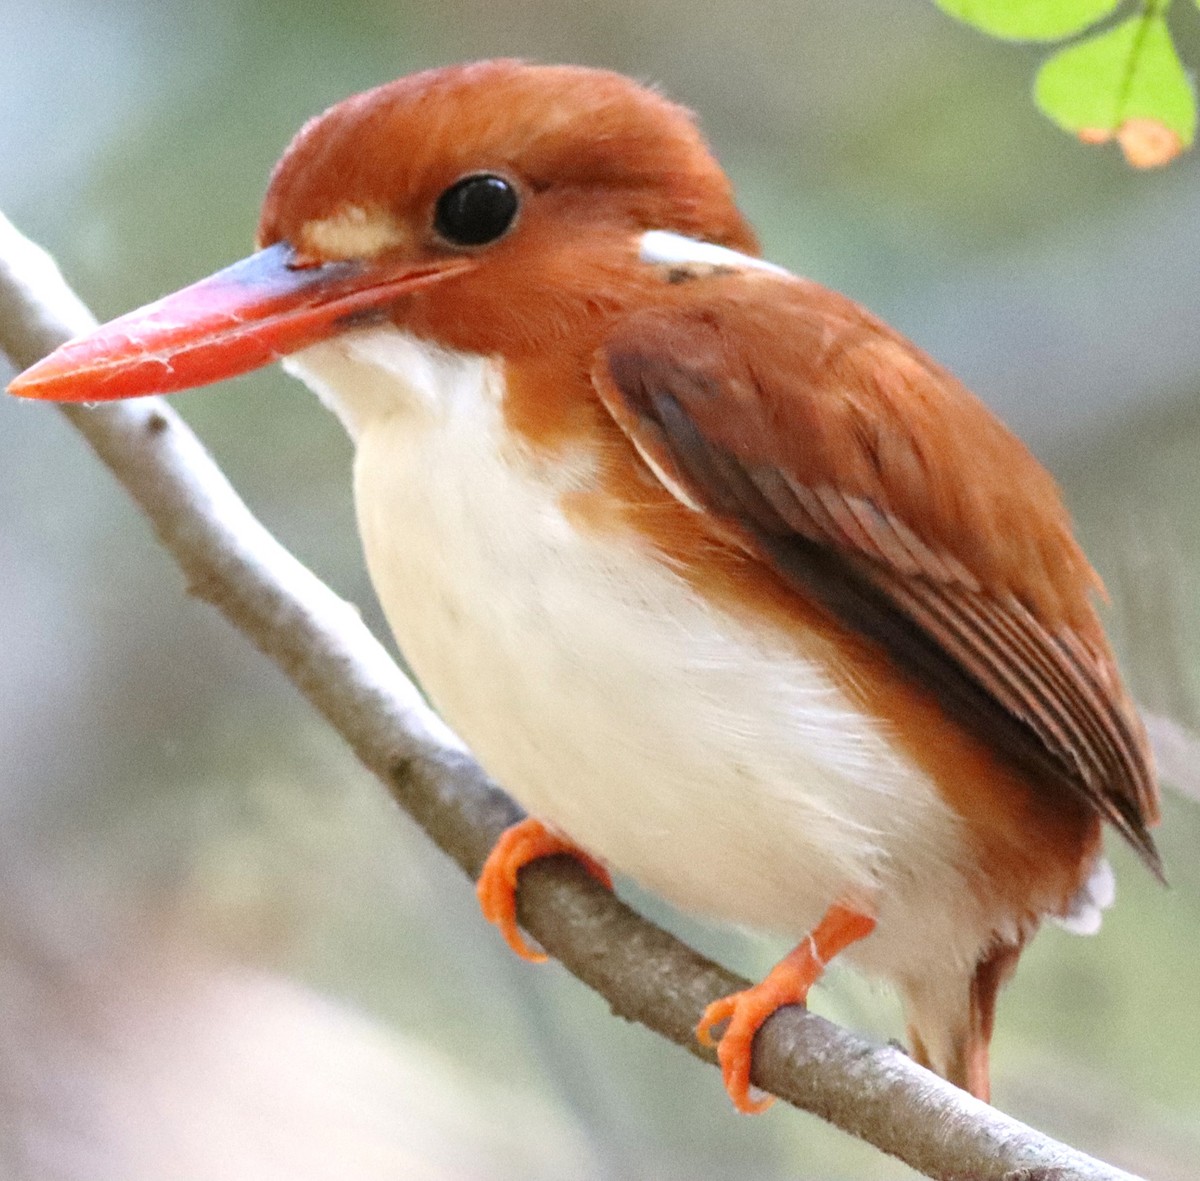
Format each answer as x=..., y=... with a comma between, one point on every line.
x=670, y=249
x=1094, y=897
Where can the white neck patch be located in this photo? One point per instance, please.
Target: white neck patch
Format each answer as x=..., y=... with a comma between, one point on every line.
x=671, y=249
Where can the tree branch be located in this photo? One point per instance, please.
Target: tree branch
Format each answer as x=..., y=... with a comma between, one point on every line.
x=319, y=641
x=1177, y=753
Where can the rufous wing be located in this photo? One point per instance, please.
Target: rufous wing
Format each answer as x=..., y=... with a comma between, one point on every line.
x=828, y=446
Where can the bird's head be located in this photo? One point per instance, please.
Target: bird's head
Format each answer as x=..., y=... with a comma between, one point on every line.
x=490, y=207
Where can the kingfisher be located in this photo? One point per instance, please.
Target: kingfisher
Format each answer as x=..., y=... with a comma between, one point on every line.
x=736, y=590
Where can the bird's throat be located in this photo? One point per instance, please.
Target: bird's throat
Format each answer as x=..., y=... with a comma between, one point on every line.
x=372, y=374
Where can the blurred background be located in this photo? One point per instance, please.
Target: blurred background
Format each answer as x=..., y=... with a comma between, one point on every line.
x=223, y=952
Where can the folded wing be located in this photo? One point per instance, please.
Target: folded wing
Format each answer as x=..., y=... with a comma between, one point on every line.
x=871, y=480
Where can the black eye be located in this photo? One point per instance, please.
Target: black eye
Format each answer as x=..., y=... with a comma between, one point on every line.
x=475, y=210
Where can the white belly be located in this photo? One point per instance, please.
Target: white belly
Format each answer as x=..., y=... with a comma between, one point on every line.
x=716, y=767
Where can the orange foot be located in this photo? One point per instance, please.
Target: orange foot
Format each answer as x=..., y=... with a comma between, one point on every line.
x=496, y=889
x=786, y=984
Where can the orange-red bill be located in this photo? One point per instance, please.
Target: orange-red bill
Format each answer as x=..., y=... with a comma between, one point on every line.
x=239, y=319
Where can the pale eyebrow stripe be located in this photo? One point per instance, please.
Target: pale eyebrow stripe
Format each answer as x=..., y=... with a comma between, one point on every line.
x=352, y=232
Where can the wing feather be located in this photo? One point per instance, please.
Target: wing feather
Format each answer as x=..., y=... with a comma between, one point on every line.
x=831, y=448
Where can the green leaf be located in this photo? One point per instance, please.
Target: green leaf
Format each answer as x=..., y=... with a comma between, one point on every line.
x=1126, y=82
x=1030, y=20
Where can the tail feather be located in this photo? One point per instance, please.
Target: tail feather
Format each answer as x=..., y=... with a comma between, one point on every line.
x=950, y=1022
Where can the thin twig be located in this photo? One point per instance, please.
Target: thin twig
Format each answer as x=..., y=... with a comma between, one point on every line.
x=646, y=975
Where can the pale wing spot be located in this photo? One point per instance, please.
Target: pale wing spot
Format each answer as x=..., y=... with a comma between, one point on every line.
x=670, y=249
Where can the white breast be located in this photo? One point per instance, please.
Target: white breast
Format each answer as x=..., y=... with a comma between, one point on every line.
x=714, y=766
